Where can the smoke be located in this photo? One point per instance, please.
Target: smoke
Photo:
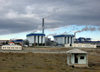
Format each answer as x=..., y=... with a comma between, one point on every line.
x=99, y=29
x=86, y=29
x=52, y=34
x=57, y=34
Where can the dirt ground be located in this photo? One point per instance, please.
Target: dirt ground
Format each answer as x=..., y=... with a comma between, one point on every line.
x=39, y=62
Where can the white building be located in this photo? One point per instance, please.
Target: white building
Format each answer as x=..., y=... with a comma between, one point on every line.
x=77, y=58
x=36, y=39
x=64, y=39
x=11, y=47
x=84, y=45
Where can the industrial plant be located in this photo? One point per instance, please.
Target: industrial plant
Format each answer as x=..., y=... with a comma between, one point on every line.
x=36, y=39
x=75, y=49
x=64, y=39
x=49, y=35
x=65, y=43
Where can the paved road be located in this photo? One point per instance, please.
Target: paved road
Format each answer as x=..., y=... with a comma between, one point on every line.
x=33, y=50
x=46, y=50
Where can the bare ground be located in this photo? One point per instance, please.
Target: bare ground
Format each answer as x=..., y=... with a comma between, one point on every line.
x=39, y=62
x=43, y=62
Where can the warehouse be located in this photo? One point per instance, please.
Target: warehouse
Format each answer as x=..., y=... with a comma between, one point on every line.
x=64, y=39
x=36, y=39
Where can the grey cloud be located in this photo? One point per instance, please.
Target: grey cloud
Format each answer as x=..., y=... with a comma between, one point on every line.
x=25, y=15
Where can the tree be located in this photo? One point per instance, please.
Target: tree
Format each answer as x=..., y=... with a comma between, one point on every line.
x=26, y=42
x=6, y=42
x=3, y=43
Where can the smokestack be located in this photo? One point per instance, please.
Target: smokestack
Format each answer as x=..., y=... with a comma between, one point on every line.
x=75, y=34
x=43, y=25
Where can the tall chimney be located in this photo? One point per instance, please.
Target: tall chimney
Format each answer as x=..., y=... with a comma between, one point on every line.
x=75, y=34
x=43, y=25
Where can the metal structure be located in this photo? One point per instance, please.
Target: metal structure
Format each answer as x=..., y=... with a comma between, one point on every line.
x=43, y=25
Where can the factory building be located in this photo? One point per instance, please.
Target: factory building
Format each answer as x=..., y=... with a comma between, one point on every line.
x=36, y=39
x=64, y=39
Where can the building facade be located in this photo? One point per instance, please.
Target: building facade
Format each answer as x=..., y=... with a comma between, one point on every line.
x=77, y=58
x=36, y=39
x=83, y=40
x=64, y=39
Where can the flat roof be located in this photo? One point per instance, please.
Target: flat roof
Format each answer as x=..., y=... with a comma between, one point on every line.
x=64, y=35
x=35, y=34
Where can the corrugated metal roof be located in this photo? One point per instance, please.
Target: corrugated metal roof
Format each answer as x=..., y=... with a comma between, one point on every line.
x=35, y=34
x=63, y=36
x=76, y=51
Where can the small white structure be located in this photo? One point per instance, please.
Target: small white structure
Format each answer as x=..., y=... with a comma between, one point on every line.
x=82, y=45
x=36, y=39
x=64, y=39
x=77, y=58
x=68, y=45
x=11, y=47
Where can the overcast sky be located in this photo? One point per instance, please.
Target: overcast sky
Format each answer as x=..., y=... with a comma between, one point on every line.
x=25, y=15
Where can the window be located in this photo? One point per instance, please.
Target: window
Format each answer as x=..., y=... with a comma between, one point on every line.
x=81, y=57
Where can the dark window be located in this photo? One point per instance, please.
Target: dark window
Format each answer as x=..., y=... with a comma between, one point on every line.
x=81, y=57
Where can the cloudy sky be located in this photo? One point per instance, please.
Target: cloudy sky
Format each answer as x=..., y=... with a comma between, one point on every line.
x=20, y=17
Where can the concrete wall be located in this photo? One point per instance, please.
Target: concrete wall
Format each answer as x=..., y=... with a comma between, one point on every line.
x=80, y=61
x=68, y=59
x=43, y=39
x=59, y=40
x=36, y=39
x=80, y=45
x=64, y=40
x=67, y=45
x=40, y=39
x=72, y=59
x=11, y=47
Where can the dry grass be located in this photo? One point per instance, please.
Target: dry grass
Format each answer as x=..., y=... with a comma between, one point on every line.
x=36, y=62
